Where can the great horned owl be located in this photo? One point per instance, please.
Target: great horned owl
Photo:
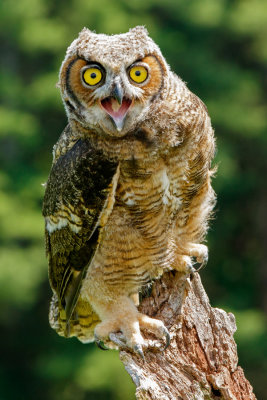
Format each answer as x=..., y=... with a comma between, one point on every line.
x=129, y=193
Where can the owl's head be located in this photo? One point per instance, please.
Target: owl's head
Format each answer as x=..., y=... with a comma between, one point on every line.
x=108, y=83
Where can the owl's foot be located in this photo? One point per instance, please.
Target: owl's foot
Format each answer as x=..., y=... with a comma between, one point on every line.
x=201, y=254
x=106, y=333
x=183, y=263
x=156, y=327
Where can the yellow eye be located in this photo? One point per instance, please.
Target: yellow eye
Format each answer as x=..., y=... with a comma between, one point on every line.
x=92, y=76
x=138, y=73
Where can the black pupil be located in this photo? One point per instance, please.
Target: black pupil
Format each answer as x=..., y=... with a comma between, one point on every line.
x=137, y=73
x=93, y=75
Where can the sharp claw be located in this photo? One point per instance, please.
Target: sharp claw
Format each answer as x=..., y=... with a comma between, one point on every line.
x=167, y=338
x=193, y=270
x=202, y=265
x=114, y=338
x=138, y=349
x=100, y=344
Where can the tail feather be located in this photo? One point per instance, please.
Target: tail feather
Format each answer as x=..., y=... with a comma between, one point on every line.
x=81, y=324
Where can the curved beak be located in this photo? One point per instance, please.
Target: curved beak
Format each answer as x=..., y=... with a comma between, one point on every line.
x=117, y=106
x=117, y=93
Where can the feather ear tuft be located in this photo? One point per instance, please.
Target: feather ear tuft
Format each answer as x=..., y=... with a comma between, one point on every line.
x=139, y=30
x=85, y=31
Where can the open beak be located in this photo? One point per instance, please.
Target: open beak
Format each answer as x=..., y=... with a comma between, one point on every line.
x=117, y=106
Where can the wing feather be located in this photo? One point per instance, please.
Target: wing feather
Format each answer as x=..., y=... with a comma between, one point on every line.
x=78, y=199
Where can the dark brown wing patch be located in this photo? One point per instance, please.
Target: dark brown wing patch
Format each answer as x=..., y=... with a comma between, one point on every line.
x=77, y=197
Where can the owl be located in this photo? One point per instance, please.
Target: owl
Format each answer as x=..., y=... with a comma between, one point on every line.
x=129, y=193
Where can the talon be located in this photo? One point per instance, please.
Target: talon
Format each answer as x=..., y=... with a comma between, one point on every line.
x=167, y=338
x=100, y=344
x=193, y=270
x=202, y=265
x=114, y=338
x=138, y=349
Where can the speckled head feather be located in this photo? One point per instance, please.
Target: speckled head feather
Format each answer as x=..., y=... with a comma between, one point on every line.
x=115, y=49
x=114, y=54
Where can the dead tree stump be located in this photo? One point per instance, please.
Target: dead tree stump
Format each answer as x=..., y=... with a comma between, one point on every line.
x=201, y=361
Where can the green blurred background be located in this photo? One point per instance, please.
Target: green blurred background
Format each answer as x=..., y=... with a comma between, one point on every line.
x=220, y=48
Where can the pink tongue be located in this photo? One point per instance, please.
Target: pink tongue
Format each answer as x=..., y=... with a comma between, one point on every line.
x=120, y=113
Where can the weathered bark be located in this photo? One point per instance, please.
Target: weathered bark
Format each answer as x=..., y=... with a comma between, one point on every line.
x=201, y=361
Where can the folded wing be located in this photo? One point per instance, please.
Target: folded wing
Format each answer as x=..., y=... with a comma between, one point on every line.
x=78, y=200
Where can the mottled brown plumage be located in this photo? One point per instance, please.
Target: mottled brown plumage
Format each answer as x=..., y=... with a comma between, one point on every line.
x=129, y=193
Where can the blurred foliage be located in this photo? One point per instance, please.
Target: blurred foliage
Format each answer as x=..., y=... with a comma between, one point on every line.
x=219, y=48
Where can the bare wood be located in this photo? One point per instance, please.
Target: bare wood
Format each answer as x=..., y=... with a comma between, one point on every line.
x=201, y=361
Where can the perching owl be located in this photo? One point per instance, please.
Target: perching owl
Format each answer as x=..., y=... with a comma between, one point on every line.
x=129, y=193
